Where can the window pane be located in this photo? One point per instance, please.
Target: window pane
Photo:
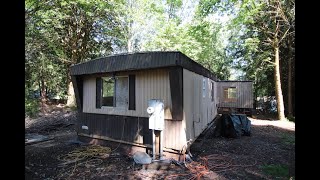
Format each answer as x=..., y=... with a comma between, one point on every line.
x=122, y=92
x=107, y=91
x=225, y=93
x=232, y=93
x=204, y=87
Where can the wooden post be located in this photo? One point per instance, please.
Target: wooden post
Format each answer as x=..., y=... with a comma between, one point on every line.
x=157, y=142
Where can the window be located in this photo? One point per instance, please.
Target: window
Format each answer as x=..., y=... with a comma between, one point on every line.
x=115, y=92
x=204, y=87
x=122, y=92
x=230, y=94
x=108, y=89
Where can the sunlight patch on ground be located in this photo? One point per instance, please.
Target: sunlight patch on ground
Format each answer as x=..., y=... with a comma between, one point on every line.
x=281, y=124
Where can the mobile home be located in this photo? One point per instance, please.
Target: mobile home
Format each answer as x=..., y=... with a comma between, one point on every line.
x=112, y=95
x=235, y=97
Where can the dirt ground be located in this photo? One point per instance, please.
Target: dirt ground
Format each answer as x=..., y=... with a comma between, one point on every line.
x=271, y=143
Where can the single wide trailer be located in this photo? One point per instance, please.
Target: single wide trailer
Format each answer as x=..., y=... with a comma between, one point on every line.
x=235, y=97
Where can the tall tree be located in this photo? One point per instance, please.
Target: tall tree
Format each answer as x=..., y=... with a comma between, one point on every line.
x=272, y=21
x=77, y=30
x=42, y=69
x=289, y=10
x=260, y=29
x=139, y=20
x=200, y=39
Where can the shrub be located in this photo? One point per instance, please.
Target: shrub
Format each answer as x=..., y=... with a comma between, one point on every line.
x=31, y=107
x=276, y=171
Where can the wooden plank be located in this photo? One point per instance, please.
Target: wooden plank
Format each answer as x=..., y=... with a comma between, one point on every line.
x=115, y=140
x=126, y=142
x=37, y=141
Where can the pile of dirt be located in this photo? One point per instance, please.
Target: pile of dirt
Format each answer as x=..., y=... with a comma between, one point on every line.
x=57, y=118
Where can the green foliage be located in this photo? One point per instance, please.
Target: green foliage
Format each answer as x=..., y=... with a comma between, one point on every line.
x=276, y=171
x=201, y=40
x=140, y=19
x=258, y=29
x=71, y=108
x=172, y=7
x=251, y=31
x=61, y=33
x=208, y=48
x=288, y=139
x=291, y=118
x=31, y=105
x=207, y=7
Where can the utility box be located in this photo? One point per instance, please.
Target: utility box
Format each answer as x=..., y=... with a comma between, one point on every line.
x=156, y=114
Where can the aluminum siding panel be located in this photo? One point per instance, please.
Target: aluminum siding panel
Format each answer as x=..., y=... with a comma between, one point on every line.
x=244, y=94
x=198, y=110
x=150, y=84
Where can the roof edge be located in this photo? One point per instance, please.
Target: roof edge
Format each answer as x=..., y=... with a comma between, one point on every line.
x=125, y=54
x=141, y=60
x=235, y=81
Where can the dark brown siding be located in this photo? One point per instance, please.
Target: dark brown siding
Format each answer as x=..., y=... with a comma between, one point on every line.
x=175, y=77
x=136, y=129
x=123, y=128
x=98, y=92
x=125, y=62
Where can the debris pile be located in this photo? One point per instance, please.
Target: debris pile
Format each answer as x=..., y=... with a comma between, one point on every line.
x=208, y=166
x=232, y=126
x=88, y=156
x=84, y=153
x=46, y=124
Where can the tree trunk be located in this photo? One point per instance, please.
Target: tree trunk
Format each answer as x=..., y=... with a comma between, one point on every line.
x=43, y=95
x=71, y=101
x=129, y=46
x=279, y=96
x=289, y=80
x=130, y=30
x=130, y=34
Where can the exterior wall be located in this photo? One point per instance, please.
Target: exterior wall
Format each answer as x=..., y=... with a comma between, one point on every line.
x=114, y=127
x=244, y=94
x=150, y=84
x=158, y=75
x=199, y=109
x=134, y=130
